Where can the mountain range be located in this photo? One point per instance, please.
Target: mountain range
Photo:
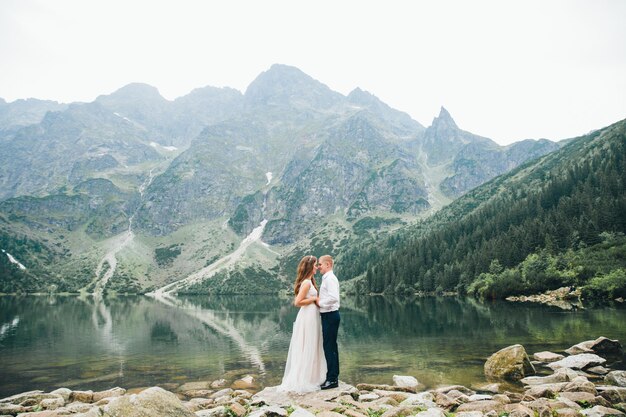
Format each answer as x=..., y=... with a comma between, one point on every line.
x=132, y=191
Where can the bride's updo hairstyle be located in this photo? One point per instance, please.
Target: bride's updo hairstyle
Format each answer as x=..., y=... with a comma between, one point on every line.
x=306, y=269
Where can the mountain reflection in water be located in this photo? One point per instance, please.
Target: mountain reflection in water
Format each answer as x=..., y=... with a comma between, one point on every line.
x=86, y=343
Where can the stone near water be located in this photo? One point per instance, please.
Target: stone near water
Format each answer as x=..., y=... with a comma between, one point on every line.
x=598, y=370
x=113, y=392
x=461, y=388
x=81, y=396
x=219, y=411
x=222, y=393
x=423, y=399
x=580, y=361
x=52, y=403
x=243, y=383
x=519, y=410
x=617, y=378
x=151, y=402
x=599, y=345
x=510, y=363
x=468, y=414
x=482, y=406
x=192, y=386
x=12, y=409
x=547, y=357
x=480, y=397
x=600, y=411
x=220, y=383
x=405, y=381
x=560, y=375
x=301, y=412
x=63, y=392
x=368, y=397
x=432, y=412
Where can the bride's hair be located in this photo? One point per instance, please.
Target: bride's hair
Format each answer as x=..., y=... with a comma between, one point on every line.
x=305, y=271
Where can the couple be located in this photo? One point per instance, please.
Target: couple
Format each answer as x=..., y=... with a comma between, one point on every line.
x=311, y=364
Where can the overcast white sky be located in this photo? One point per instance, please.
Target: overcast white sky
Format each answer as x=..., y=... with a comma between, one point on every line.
x=508, y=70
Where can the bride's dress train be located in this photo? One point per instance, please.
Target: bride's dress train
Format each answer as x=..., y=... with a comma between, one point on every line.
x=305, y=370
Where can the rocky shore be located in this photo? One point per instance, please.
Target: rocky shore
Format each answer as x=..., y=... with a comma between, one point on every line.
x=578, y=382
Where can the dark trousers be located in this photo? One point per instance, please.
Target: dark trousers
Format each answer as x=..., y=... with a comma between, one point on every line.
x=330, y=327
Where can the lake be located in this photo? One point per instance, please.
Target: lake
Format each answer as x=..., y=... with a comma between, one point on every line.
x=48, y=342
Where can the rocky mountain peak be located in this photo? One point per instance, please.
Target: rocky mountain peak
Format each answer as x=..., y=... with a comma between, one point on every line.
x=286, y=85
x=134, y=92
x=444, y=120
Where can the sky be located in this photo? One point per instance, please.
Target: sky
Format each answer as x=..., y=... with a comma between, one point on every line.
x=507, y=70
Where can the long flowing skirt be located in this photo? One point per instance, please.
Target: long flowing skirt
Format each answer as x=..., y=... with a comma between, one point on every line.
x=305, y=370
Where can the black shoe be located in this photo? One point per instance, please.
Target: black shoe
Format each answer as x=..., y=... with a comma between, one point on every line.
x=329, y=385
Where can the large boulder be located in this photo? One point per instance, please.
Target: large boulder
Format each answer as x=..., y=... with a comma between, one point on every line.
x=511, y=363
x=600, y=411
x=405, y=381
x=151, y=402
x=560, y=375
x=581, y=361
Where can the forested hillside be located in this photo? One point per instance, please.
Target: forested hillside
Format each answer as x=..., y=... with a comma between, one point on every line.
x=550, y=214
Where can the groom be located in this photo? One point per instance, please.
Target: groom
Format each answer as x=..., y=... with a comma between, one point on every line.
x=329, y=310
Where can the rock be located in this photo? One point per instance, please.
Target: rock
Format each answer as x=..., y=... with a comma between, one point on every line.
x=93, y=412
x=78, y=407
x=28, y=398
x=396, y=395
x=458, y=396
x=468, y=414
x=223, y=400
x=547, y=357
x=12, y=409
x=405, y=381
x=580, y=361
x=301, y=412
x=501, y=398
x=238, y=409
x=113, y=392
x=398, y=412
x=545, y=390
x=580, y=398
x=492, y=388
x=368, y=397
x=598, y=370
x=197, y=393
x=617, y=378
x=510, y=363
x=63, y=392
x=518, y=410
x=600, y=345
x=244, y=383
x=52, y=403
x=349, y=412
x=82, y=396
x=372, y=387
x=580, y=384
x=461, y=388
x=613, y=394
x=423, y=399
x=482, y=406
x=443, y=400
x=566, y=412
x=600, y=411
x=192, y=386
x=213, y=412
x=196, y=404
x=151, y=402
x=480, y=397
x=560, y=375
x=431, y=412
x=220, y=383
x=328, y=413
x=221, y=393
x=46, y=413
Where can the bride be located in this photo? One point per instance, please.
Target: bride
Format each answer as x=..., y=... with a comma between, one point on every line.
x=306, y=365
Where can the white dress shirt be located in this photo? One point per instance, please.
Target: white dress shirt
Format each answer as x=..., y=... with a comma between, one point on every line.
x=329, y=293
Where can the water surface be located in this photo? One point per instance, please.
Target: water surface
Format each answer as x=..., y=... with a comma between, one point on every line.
x=79, y=343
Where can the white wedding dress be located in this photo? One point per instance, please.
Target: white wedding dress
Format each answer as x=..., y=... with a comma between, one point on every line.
x=305, y=370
